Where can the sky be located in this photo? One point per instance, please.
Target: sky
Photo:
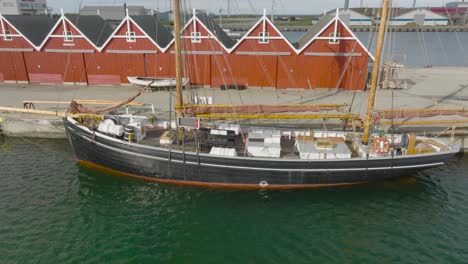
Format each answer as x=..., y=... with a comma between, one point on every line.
x=241, y=6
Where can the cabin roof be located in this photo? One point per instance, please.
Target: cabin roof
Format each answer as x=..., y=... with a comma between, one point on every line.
x=94, y=27
x=34, y=28
x=151, y=25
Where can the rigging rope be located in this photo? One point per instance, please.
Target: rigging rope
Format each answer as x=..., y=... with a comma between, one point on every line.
x=76, y=108
x=59, y=154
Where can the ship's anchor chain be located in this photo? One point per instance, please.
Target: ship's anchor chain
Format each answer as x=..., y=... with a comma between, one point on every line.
x=263, y=184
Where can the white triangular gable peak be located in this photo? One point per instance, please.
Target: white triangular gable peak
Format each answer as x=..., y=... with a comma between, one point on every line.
x=3, y=20
x=113, y=33
x=193, y=20
x=126, y=21
x=336, y=20
x=263, y=20
x=63, y=20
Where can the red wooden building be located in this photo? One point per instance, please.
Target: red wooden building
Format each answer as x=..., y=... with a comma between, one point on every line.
x=16, y=42
x=86, y=50
x=205, y=47
x=258, y=56
x=135, y=48
x=62, y=54
x=329, y=55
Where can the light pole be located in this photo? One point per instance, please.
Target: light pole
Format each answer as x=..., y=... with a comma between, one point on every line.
x=220, y=21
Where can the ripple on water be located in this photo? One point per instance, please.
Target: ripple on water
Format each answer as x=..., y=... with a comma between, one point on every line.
x=53, y=210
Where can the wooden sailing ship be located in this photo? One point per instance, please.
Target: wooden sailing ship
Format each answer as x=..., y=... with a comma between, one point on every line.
x=199, y=153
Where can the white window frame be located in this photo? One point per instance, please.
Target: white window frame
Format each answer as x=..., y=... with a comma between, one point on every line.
x=67, y=36
x=195, y=37
x=334, y=40
x=263, y=39
x=130, y=36
x=7, y=35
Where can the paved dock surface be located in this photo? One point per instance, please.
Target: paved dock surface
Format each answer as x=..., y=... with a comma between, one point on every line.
x=427, y=88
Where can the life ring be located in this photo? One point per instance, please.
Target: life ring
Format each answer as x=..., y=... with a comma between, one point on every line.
x=381, y=146
x=263, y=184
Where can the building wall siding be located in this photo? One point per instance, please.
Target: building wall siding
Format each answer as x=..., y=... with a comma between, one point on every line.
x=251, y=64
x=103, y=68
x=16, y=41
x=12, y=66
x=56, y=41
x=243, y=70
x=160, y=65
x=198, y=67
x=329, y=68
x=207, y=42
x=256, y=64
x=119, y=42
x=44, y=67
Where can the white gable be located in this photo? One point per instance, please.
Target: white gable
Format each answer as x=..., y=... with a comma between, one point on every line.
x=263, y=19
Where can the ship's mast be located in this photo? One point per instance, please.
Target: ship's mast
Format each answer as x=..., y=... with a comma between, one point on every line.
x=178, y=60
x=375, y=71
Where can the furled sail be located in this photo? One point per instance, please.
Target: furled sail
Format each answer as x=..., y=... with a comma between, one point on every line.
x=261, y=108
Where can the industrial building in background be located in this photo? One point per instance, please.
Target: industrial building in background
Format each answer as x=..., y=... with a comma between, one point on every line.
x=364, y=16
x=418, y=16
x=398, y=17
x=24, y=7
x=115, y=14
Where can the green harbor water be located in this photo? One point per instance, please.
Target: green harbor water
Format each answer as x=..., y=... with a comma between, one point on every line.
x=54, y=211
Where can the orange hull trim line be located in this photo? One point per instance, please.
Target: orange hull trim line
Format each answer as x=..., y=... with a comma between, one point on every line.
x=93, y=166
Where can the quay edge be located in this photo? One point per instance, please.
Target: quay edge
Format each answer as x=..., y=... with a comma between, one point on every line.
x=32, y=126
x=52, y=127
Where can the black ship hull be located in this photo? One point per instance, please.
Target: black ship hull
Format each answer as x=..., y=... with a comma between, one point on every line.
x=163, y=165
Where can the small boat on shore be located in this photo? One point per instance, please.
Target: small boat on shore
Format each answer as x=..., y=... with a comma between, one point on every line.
x=155, y=82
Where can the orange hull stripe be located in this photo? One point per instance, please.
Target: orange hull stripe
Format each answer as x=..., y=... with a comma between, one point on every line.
x=94, y=166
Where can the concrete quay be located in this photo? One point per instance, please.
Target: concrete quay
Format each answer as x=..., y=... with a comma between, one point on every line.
x=427, y=88
x=31, y=126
